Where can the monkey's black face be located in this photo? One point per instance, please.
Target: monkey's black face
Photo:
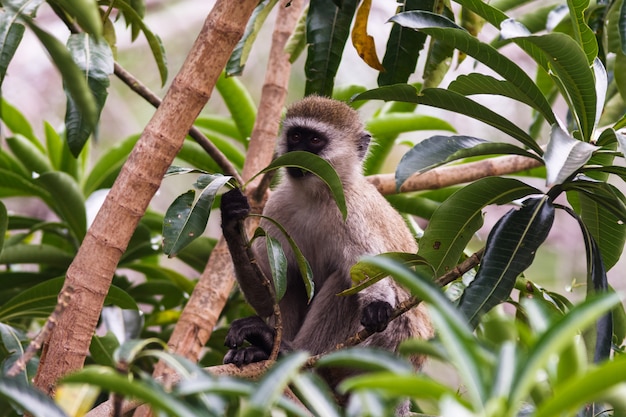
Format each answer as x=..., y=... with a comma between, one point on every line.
x=304, y=139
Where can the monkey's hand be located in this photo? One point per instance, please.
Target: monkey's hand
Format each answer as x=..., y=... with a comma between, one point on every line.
x=254, y=330
x=234, y=207
x=376, y=316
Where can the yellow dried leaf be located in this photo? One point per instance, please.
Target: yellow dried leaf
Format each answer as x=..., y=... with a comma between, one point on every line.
x=364, y=43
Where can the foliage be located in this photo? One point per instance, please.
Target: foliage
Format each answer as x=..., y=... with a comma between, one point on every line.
x=539, y=360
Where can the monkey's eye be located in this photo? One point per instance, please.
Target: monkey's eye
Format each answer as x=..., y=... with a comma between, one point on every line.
x=315, y=140
x=294, y=137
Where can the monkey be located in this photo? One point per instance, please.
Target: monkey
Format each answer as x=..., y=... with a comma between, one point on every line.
x=303, y=205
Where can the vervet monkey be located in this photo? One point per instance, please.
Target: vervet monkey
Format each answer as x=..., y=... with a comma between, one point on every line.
x=303, y=205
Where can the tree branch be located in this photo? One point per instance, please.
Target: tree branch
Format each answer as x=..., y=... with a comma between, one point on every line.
x=456, y=174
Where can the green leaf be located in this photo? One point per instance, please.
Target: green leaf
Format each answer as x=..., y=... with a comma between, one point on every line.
x=607, y=230
x=316, y=165
x=29, y=398
x=552, y=342
x=155, y=43
x=39, y=301
x=366, y=359
x=73, y=78
x=582, y=32
x=278, y=265
x=392, y=124
x=365, y=275
x=87, y=14
x=240, y=54
x=510, y=249
x=95, y=59
x=409, y=385
x=12, y=185
x=403, y=47
x=603, y=193
x=4, y=223
x=439, y=150
x=445, y=30
x=28, y=154
x=303, y=265
x=468, y=356
x=17, y=123
x=102, y=348
x=272, y=385
x=456, y=220
x=449, y=100
x=328, y=27
x=589, y=387
x=596, y=282
x=439, y=56
x=186, y=218
x=108, y=165
x=111, y=380
x=568, y=64
x=315, y=394
x=565, y=155
x=35, y=254
x=67, y=200
x=240, y=105
x=386, y=127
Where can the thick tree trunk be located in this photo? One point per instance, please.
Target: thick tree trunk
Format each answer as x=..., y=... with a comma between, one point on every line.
x=90, y=274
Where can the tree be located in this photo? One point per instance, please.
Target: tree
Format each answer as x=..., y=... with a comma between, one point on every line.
x=580, y=60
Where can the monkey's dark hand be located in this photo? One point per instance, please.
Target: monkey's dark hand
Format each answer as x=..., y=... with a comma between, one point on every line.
x=234, y=207
x=254, y=330
x=376, y=316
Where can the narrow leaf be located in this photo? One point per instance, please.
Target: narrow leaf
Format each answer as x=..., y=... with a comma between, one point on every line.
x=95, y=59
x=155, y=43
x=328, y=27
x=316, y=394
x=35, y=402
x=111, y=380
x=582, y=32
x=273, y=384
x=364, y=275
x=4, y=223
x=439, y=150
x=510, y=249
x=73, y=78
x=448, y=32
x=449, y=100
x=554, y=341
x=240, y=105
x=316, y=165
x=366, y=359
x=597, y=282
x=239, y=57
x=87, y=14
x=67, y=200
x=303, y=265
x=565, y=155
x=565, y=59
x=278, y=266
x=33, y=159
x=403, y=47
x=455, y=221
x=186, y=218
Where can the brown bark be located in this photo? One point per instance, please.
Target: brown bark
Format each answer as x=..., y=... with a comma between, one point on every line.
x=90, y=274
x=456, y=174
x=201, y=313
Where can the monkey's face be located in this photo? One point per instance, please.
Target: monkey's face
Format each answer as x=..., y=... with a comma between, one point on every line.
x=299, y=138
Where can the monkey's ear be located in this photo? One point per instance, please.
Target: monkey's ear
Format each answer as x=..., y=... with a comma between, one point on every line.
x=363, y=144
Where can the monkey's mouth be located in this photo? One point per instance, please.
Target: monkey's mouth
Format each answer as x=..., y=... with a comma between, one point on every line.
x=296, y=172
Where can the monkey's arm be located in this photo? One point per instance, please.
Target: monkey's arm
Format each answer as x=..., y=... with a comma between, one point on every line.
x=255, y=287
